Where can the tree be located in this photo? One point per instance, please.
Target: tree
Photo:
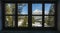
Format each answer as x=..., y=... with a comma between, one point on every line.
x=24, y=24
x=9, y=10
x=33, y=20
x=50, y=19
x=20, y=7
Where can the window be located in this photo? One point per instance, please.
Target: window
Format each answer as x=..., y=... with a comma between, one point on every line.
x=9, y=8
x=36, y=10
x=24, y=15
x=49, y=20
x=9, y=11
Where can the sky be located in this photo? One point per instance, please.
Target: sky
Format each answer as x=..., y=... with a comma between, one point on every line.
x=25, y=9
x=47, y=8
x=36, y=8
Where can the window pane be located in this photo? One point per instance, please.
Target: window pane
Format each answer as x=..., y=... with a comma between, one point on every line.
x=49, y=9
x=36, y=21
x=22, y=21
x=10, y=8
x=10, y=21
x=22, y=8
x=49, y=21
x=37, y=9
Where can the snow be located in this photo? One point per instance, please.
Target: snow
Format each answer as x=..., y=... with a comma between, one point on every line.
x=37, y=24
x=20, y=22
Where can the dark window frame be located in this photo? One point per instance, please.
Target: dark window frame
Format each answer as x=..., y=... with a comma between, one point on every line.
x=29, y=16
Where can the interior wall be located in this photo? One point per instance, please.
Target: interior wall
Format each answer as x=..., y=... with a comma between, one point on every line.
x=0, y=17
x=58, y=15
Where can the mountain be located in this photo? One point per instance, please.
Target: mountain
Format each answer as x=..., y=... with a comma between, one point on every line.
x=37, y=12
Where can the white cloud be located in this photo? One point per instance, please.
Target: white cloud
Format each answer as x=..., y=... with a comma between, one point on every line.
x=46, y=12
x=23, y=12
x=37, y=11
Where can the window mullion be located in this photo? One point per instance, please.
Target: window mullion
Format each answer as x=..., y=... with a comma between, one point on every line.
x=30, y=14
x=43, y=14
x=3, y=14
x=16, y=16
x=55, y=18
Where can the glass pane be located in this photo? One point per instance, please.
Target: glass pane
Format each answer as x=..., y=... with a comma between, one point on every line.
x=36, y=21
x=37, y=9
x=22, y=21
x=49, y=9
x=22, y=8
x=10, y=21
x=10, y=8
x=49, y=21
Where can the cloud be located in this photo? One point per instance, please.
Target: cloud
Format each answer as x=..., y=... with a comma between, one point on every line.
x=37, y=12
x=46, y=12
x=23, y=12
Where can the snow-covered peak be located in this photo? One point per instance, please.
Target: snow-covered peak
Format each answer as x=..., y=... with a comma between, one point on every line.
x=37, y=12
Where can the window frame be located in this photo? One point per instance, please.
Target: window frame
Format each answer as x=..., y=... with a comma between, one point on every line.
x=29, y=16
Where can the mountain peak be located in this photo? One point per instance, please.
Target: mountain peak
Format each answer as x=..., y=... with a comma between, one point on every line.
x=37, y=11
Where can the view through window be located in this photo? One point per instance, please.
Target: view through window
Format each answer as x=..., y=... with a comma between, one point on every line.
x=22, y=15
x=23, y=10
x=36, y=10
x=9, y=10
x=49, y=15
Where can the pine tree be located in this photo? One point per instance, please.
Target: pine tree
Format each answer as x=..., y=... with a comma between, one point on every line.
x=33, y=20
x=25, y=17
x=25, y=21
x=50, y=19
x=9, y=10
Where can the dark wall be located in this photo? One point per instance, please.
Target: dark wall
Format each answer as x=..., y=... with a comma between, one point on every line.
x=58, y=15
x=0, y=17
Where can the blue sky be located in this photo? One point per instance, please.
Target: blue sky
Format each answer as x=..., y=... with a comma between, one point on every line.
x=34, y=7
x=25, y=9
x=47, y=8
